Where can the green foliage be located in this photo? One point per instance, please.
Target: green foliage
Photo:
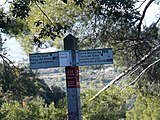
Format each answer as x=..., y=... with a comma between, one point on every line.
x=8, y=23
x=146, y=107
x=130, y=104
x=111, y=105
x=21, y=8
x=17, y=83
x=44, y=24
x=23, y=96
x=56, y=94
x=105, y=23
x=35, y=109
x=12, y=111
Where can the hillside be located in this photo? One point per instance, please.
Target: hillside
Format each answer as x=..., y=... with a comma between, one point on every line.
x=89, y=78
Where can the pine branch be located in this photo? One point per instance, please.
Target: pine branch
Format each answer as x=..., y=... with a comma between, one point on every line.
x=5, y=59
x=127, y=71
x=4, y=3
x=44, y=13
x=143, y=15
x=141, y=4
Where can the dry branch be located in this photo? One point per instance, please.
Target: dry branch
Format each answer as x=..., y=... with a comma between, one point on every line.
x=140, y=75
x=127, y=71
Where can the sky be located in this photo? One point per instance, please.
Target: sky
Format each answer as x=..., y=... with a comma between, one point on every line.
x=152, y=12
x=16, y=53
x=14, y=50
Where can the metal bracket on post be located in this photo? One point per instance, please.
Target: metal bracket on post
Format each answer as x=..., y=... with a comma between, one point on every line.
x=72, y=81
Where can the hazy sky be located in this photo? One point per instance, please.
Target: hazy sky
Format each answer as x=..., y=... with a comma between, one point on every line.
x=15, y=50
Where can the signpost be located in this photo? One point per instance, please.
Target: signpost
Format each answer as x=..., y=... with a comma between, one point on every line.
x=72, y=81
x=73, y=93
x=71, y=58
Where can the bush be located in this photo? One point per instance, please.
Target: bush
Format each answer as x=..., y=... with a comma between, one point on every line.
x=35, y=109
x=146, y=107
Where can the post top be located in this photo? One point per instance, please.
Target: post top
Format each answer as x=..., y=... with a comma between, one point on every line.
x=70, y=42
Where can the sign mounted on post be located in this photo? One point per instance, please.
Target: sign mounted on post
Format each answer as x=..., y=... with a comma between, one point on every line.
x=71, y=58
x=94, y=57
x=65, y=58
x=72, y=77
x=50, y=60
x=44, y=60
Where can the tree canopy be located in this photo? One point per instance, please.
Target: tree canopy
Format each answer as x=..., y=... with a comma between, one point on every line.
x=97, y=24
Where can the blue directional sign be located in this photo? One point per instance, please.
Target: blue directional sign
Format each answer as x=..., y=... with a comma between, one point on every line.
x=94, y=57
x=64, y=58
x=50, y=59
x=44, y=60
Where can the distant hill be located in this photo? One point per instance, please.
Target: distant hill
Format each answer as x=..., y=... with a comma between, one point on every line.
x=89, y=78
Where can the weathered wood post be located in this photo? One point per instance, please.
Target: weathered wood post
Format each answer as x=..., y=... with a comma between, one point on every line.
x=72, y=81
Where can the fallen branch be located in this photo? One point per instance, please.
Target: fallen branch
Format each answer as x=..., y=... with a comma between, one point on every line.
x=141, y=74
x=127, y=71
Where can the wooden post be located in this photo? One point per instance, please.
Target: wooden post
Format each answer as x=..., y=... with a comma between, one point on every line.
x=72, y=81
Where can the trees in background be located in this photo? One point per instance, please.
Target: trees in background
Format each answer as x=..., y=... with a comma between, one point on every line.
x=23, y=96
x=97, y=24
x=16, y=84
